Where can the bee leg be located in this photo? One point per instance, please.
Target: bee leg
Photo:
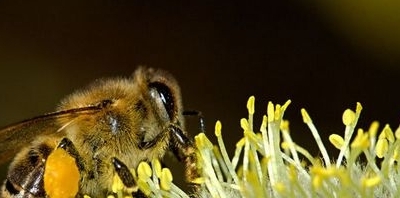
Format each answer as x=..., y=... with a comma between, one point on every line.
x=25, y=175
x=123, y=172
x=68, y=146
x=126, y=176
x=139, y=194
x=184, y=150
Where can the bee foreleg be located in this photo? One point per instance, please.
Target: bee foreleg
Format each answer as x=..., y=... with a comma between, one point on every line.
x=123, y=172
x=184, y=150
x=68, y=146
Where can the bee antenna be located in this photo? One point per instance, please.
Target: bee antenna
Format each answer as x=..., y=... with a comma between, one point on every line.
x=202, y=124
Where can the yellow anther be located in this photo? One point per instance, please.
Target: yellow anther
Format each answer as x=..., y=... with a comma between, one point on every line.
x=244, y=124
x=250, y=105
x=361, y=141
x=144, y=187
x=358, y=108
x=264, y=122
x=284, y=107
x=293, y=175
x=317, y=181
x=218, y=128
x=280, y=187
x=252, y=137
x=397, y=133
x=166, y=179
x=396, y=155
x=348, y=117
x=306, y=117
x=371, y=182
x=388, y=133
x=259, y=136
x=133, y=172
x=285, y=145
x=202, y=142
x=270, y=112
x=382, y=147
x=285, y=125
x=336, y=140
x=324, y=172
x=117, y=184
x=373, y=129
x=344, y=177
x=278, y=112
x=156, y=166
x=144, y=170
x=265, y=160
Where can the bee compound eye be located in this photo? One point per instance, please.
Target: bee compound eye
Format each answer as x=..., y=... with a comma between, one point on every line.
x=165, y=94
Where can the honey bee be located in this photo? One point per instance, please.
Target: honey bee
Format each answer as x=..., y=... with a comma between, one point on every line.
x=111, y=125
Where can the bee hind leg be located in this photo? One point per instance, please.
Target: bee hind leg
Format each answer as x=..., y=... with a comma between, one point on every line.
x=25, y=174
x=69, y=146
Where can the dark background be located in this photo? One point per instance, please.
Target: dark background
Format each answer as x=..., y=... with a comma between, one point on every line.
x=323, y=56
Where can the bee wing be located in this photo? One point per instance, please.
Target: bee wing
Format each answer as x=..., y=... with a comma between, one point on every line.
x=14, y=137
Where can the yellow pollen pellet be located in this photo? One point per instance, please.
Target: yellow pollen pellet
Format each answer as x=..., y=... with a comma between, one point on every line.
x=61, y=175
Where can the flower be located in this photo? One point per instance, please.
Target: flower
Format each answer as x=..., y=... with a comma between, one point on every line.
x=264, y=165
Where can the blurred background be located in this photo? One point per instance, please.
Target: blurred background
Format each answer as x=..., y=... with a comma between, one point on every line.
x=324, y=56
